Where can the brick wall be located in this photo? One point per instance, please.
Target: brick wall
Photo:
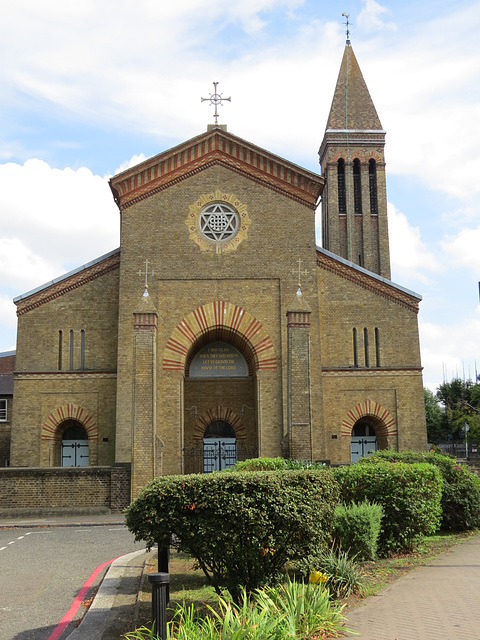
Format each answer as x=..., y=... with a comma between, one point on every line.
x=27, y=491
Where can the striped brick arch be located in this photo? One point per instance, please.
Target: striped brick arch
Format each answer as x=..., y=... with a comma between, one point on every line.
x=219, y=413
x=384, y=423
x=220, y=320
x=69, y=412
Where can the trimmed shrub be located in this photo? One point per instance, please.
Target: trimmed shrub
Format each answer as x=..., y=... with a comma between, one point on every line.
x=410, y=495
x=274, y=464
x=241, y=527
x=461, y=487
x=357, y=527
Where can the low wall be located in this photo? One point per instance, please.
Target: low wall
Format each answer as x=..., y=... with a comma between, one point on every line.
x=63, y=490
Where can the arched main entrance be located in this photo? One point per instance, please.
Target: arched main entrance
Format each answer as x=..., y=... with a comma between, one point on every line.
x=74, y=445
x=220, y=423
x=219, y=446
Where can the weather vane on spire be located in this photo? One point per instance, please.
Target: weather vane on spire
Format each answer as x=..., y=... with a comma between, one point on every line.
x=347, y=24
x=216, y=99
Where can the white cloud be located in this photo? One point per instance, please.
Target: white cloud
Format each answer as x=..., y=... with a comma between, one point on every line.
x=370, y=17
x=463, y=249
x=452, y=349
x=52, y=220
x=134, y=160
x=8, y=316
x=410, y=256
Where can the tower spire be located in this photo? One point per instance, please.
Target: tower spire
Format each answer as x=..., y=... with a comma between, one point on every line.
x=354, y=206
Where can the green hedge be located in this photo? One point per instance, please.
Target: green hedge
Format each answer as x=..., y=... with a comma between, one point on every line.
x=410, y=495
x=461, y=487
x=357, y=529
x=274, y=464
x=241, y=527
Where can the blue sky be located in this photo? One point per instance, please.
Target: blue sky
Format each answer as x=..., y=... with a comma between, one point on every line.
x=94, y=86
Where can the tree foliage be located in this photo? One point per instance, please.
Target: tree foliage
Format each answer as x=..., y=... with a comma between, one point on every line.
x=436, y=423
x=461, y=399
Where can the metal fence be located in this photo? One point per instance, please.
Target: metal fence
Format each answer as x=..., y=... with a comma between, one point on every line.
x=460, y=449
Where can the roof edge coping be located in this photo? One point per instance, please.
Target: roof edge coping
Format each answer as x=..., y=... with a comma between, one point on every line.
x=65, y=276
x=373, y=275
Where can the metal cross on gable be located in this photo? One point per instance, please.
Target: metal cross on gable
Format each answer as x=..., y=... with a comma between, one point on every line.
x=300, y=273
x=146, y=273
x=216, y=99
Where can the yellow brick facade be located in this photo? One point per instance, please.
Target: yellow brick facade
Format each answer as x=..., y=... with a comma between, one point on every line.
x=94, y=350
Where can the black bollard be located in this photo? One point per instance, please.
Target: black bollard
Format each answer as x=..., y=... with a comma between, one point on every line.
x=163, y=561
x=160, y=584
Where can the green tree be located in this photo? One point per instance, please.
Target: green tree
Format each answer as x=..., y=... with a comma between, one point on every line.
x=436, y=423
x=461, y=399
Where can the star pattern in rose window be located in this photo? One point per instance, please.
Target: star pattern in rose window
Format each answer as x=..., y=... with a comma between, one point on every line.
x=218, y=222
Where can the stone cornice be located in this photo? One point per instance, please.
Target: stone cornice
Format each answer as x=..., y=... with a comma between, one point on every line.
x=361, y=277
x=67, y=283
x=216, y=147
x=64, y=375
x=371, y=371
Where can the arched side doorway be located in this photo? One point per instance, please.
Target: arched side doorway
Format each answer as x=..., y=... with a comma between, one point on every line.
x=364, y=440
x=69, y=422
x=219, y=446
x=74, y=445
x=368, y=427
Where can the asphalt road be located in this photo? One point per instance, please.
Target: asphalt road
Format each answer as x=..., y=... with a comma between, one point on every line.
x=43, y=569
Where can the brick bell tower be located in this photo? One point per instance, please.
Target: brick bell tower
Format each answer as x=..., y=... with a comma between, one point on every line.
x=354, y=204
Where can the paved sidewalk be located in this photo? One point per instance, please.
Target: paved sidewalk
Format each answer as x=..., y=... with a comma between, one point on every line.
x=114, y=609
x=439, y=600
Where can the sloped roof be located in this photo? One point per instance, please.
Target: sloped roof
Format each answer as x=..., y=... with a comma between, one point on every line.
x=368, y=280
x=67, y=282
x=352, y=107
x=215, y=147
x=6, y=384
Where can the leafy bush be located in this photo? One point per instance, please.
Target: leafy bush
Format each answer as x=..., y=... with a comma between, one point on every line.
x=410, y=495
x=241, y=527
x=274, y=464
x=357, y=527
x=461, y=487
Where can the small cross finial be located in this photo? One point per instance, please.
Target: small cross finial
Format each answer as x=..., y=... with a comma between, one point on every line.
x=146, y=273
x=347, y=24
x=216, y=99
x=300, y=273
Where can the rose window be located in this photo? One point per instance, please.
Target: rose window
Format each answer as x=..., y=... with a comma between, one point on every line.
x=218, y=221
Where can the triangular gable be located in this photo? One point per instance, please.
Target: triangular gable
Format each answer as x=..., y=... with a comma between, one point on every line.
x=67, y=282
x=215, y=147
x=368, y=280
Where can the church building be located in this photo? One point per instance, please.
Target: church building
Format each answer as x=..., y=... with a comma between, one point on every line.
x=219, y=331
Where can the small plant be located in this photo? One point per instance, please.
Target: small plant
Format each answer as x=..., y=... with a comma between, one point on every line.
x=357, y=528
x=344, y=574
x=306, y=610
x=293, y=610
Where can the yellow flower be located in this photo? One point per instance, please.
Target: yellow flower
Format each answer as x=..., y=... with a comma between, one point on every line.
x=317, y=577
